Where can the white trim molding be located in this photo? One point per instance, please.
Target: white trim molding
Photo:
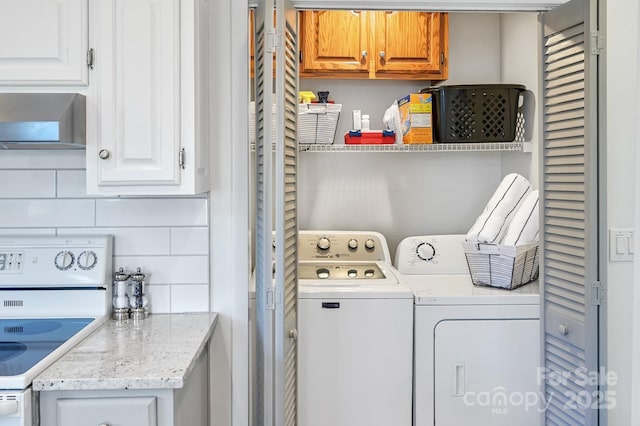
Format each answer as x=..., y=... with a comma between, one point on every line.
x=430, y=5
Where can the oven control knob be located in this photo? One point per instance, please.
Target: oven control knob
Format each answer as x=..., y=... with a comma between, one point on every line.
x=64, y=260
x=425, y=251
x=87, y=260
x=323, y=243
x=370, y=244
x=353, y=244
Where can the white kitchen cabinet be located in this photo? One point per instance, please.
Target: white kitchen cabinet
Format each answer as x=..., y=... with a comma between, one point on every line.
x=185, y=406
x=148, y=110
x=107, y=411
x=44, y=42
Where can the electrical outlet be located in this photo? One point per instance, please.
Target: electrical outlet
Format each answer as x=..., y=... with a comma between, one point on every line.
x=621, y=245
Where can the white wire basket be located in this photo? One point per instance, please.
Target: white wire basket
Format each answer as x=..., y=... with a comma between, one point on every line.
x=317, y=123
x=502, y=266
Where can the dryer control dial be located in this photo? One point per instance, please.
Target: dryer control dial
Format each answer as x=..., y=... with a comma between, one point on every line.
x=425, y=251
x=352, y=244
x=323, y=243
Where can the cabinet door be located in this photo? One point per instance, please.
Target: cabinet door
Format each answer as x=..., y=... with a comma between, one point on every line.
x=486, y=372
x=44, y=42
x=411, y=43
x=137, y=104
x=140, y=411
x=335, y=43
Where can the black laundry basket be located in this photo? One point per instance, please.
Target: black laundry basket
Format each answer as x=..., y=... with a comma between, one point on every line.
x=475, y=113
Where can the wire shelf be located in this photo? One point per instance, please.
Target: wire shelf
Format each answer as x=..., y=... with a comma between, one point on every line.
x=436, y=147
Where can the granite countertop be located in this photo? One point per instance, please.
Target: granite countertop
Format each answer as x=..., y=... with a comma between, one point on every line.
x=158, y=352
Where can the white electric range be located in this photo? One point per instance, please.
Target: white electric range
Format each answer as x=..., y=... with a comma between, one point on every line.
x=54, y=292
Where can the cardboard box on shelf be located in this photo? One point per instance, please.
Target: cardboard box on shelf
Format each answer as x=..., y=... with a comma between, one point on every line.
x=416, y=111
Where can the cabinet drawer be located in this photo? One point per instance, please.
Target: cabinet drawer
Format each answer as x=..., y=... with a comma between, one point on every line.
x=139, y=411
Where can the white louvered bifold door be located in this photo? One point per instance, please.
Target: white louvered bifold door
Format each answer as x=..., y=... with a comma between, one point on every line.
x=276, y=293
x=286, y=220
x=569, y=194
x=265, y=332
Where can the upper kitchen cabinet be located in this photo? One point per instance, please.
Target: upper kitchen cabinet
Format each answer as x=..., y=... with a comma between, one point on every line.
x=374, y=44
x=44, y=42
x=148, y=115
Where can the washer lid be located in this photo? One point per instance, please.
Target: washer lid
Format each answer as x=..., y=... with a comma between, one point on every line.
x=459, y=290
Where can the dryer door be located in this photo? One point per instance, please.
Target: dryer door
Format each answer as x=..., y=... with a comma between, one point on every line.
x=486, y=372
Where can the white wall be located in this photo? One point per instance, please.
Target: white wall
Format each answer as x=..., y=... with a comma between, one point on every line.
x=403, y=194
x=622, y=117
x=43, y=192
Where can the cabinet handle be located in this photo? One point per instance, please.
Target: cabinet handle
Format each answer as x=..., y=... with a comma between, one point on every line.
x=104, y=154
x=382, y=54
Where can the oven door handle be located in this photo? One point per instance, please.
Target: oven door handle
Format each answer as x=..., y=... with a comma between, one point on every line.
x=8, y=408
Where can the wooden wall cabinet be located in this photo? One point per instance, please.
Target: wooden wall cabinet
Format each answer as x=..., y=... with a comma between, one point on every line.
x=374, y=44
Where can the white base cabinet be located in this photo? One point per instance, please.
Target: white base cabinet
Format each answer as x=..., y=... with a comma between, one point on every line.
x=44, y=43
x=148, y=110
x=139, y=411
x=187, y=406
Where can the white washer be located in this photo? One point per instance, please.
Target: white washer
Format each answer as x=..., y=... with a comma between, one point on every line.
x=355, y=328
x=476, y=349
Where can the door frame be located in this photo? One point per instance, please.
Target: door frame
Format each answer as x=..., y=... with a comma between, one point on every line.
x=231, y=201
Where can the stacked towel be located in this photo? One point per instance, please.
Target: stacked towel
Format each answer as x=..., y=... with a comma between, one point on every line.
x=525, y=224
x=492, y=224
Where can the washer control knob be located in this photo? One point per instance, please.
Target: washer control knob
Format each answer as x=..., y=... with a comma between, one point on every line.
x=370, y=244
x=87, y=260
x=353, y=244
x=64, y=260
x=323, y=243
x=425, y=251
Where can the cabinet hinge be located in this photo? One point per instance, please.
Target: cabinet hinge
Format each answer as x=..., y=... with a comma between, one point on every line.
x=301, y=56
x=181, y=155
x=270, y=42
x=90, y=57
x=273, y=298
x=597, y=42
x=598, y=293
x=441, y=58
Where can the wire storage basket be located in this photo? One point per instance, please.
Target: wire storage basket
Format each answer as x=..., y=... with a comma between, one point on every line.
x=317, y=123
x=502, y=266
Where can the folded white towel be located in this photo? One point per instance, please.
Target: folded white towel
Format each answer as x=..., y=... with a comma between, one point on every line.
x=492, y=224
x=525, y=224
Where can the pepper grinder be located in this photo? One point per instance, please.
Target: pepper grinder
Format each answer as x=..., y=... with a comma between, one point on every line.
x=137, y=301
x=120, y=298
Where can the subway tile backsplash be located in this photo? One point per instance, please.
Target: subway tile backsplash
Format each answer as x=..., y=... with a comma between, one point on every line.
x=43, y=192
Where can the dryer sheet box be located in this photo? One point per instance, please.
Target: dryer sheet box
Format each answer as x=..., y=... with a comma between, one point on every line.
x=416, y=113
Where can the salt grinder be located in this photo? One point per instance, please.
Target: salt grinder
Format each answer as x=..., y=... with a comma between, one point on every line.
x=120, y=298
x=137, y=301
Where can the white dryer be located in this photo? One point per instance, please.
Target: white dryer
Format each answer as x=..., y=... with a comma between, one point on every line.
x=476, y=349
x=355, y=332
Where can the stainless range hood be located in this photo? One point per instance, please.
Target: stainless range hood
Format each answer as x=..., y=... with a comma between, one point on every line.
x=42, y=121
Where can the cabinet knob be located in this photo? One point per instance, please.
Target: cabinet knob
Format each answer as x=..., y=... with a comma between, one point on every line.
x=364, y=53
x=563, y=329
x=293, y=334
x=382, y=54
x=104, y=154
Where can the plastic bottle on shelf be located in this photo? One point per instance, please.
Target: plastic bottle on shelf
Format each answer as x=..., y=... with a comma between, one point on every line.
x=365, y=122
